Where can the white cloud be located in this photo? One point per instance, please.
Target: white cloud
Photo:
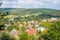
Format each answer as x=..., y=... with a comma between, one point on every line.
x=29, y=3
x=54, y=1
x=8, y=4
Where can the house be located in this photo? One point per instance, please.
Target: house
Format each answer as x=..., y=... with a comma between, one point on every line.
x=41, y=29
x=13, y=32
x=31, y=31
x=19, y=24
x=36, y=25
x=30, y=26
x=32, y=21
x=53, y=19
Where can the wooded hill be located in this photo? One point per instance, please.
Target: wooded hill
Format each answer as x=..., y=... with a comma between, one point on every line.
x=37, y=12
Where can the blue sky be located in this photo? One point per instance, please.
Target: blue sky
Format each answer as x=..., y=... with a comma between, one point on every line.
x=53, y=4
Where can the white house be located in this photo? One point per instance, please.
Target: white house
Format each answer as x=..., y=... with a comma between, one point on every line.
x=41, y=29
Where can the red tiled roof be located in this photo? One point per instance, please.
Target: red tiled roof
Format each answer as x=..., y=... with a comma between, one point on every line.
x=32, y=31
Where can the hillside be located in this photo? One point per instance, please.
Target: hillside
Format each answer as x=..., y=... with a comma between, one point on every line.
x=37, y=12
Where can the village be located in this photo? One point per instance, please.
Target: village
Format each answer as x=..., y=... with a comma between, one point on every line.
x=32, y=27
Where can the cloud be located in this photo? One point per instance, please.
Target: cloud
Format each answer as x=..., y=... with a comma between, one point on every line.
x=29, y=3
x=8, y=4
x=55, y=1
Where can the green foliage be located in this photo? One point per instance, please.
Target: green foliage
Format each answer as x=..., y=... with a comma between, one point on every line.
x=5, y=36
x=2, y=27
x=46, y=24
x=12, y=27
x=53, y=28
x=26, y=36
x=42, y=12
x=53, y=32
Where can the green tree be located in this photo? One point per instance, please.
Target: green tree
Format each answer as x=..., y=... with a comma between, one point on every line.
x=12, y=27
x=5, y=36
x=2, y=27
x=53, y=32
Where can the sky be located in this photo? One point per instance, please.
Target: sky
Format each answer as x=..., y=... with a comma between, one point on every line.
x=53, y=4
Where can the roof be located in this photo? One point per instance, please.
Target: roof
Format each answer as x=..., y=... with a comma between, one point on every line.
x=32, y=31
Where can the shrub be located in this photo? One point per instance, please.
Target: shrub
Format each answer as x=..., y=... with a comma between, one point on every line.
x=12, y=27
x=5, y=36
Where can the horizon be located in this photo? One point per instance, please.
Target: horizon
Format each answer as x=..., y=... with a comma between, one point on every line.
x=31, y=8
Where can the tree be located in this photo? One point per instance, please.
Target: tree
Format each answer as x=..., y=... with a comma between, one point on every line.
x=12, y=27
x=53, y=32
x=5, y=36
x=7, y=13
x=26, y=36
x=2, y=27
